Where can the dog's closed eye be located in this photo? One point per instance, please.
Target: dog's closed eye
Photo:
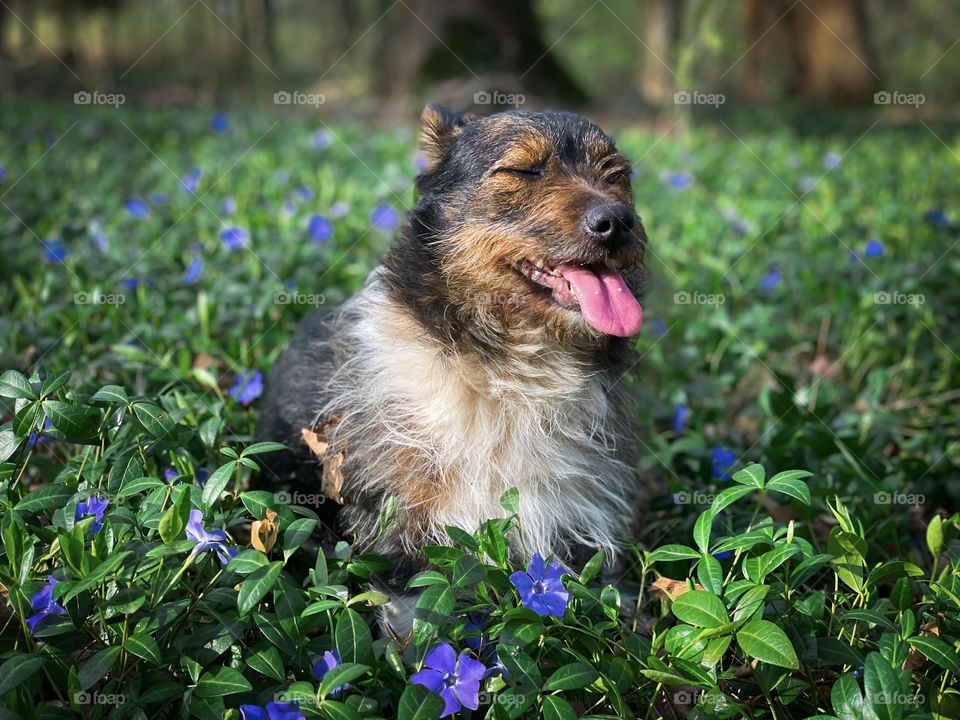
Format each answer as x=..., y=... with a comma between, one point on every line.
x=525, y=172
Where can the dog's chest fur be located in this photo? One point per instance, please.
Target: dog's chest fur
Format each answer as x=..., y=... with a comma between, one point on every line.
x=447, y=433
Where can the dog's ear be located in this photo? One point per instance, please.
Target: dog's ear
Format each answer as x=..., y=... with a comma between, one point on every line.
x=439, y=126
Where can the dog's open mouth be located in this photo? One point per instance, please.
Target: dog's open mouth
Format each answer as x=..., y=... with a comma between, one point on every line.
x=598, y=290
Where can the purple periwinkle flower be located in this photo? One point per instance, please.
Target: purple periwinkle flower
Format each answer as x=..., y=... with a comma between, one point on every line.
x=191, y=180
x=99, y=236
x=3, y=173
x=338, y=210
x=938, y=218
x=92, y=507
x=319, y=228
x=304, y=192
x=321, y=139
x=874, y=248
x=215, y=540
x=36, y=437
x=193, y=272
x=773, y=278
x=47, y=608
x=234, y=238
x=455, y=679
x=54, y=250
x=541, y=588
x=722, y=461
x=679, y=180
x=384, y=217
x=219, y=122
x=228, y=206
x=247, y=387
x=137, y=208
x=328, y=662
x=681, y=416
x=723, y=555
x=158, y=199
x=201, y=476
x=831, y=160
x=272, y=711
x=420, y=163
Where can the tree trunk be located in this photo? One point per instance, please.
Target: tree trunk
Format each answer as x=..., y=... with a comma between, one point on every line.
x=658, y=51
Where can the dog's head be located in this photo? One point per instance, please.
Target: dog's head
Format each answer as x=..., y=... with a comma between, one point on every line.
x=526, y=220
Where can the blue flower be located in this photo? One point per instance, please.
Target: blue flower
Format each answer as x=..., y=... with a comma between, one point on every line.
x=3, y=173
x=874, y=248
x=304, y=192
x=937, y=218
x=455, y=679
x=130, y=283
x=288, y=208
x=679, y=180
x=541, y=589
x=723, y=555
x=193, y=272
x=38, y=437
x=201, y=476
x=272, y=711
x=420, y=163
x=338, y=210
x=191, y=180
x=477, y=639
x=47, y=608
x=384, y=217
x=319, y=228
x=215, y=540
x=722, y=461
x=659, y=327
x=233, y=238
x=171, y=474
x=770, y=280
x=92, y=507
x=247, y=387
x=681, y=416
x=158, y=199
x=54, y=250
x=328, y=662
x=321, y=139
x=831, y=160
x=137, y=207
x=99, y=236
x=228, y=206
x=807, y=184
x=219, y=122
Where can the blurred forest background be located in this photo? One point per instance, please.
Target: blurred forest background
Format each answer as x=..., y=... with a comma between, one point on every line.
x=383, y=58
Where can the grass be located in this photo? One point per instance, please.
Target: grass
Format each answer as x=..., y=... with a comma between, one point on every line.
x=802, y=315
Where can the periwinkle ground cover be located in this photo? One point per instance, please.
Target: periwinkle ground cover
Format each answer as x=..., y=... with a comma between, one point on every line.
x=802, y=316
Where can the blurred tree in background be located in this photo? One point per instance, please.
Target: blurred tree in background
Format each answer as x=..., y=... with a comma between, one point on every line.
x=388, y=56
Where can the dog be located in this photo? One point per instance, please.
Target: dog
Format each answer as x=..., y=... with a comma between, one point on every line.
x=484, y=353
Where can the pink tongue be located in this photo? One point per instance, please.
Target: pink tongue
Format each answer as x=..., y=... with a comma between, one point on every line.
x=605, y=300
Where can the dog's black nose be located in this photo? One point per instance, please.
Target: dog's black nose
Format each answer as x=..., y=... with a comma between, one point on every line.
x=609, y=225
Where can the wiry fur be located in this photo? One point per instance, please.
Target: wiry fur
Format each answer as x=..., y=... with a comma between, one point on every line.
x=452, y=378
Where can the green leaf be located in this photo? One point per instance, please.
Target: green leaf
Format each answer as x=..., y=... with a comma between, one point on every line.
x=468, y=571
x=110, y=394
x=510, y=501
x=143, y=646
x=74, y=421
x=710, y=573
x=14, y=385
x=125, y=468
x=935, y=537
x=339, y=711
x=869, y=616
x=155, y=420
x=757, y=568
x=702, y=529
x=556, y=708
x=17, y=670
x=54, y=383
x=353, y=639
x=297, y=533
x=592, y=568
x=573, y=676
x=263, y=447
x=766, y=642
x=847, y=700
x=101, y=572
x=882, y=690
x=341, y=675
x=224, y=681
x=750, y=602
x=938, y=651
x=669, y=553
x=790, y=483
x=256, y=585
x=700, y=608
x=97, y=666
x=175, y=518
x=418, y=703
x=138, y=485
x=45, y=497
x=215, y=484
x=729, y=496
x=752, y=475
x=268, y=662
